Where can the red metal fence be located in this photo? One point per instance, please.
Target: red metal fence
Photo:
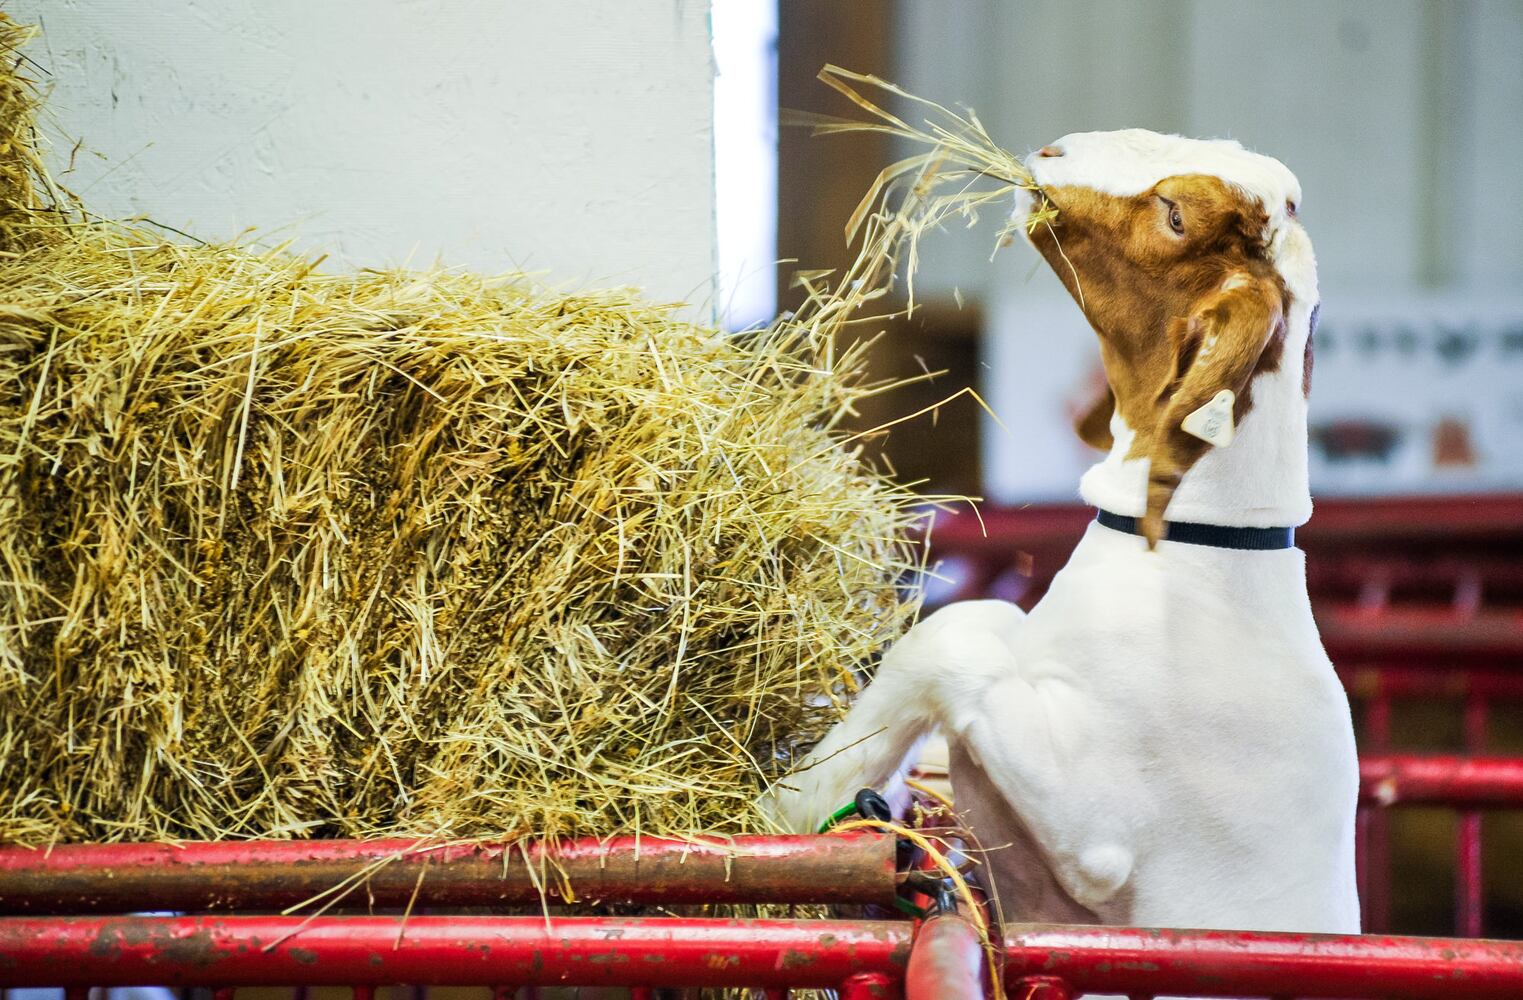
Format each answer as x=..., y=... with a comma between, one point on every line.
x=940, y=957
x=861, y=958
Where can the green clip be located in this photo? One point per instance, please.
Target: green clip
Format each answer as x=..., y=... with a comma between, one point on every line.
x=847, y=810
x=906, y=907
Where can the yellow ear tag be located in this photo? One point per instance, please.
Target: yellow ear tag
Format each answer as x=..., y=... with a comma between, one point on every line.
x=1212, y=423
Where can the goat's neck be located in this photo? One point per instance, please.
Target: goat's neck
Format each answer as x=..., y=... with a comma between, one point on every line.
x=1260, y=480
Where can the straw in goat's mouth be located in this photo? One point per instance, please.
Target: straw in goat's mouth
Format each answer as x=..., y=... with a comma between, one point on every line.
x=960, y=171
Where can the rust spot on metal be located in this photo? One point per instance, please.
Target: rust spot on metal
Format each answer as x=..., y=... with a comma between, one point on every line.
x=306, y=956
x=198, y=948
x=105, y=944
x=795, y=959
x=1138, y=966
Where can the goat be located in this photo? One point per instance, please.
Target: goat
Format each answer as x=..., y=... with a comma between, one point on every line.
x=1162, y=741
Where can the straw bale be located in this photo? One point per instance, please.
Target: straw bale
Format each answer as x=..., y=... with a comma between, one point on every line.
x=288, y=553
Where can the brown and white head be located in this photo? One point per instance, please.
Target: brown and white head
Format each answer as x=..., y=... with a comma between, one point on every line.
x=1188, y=260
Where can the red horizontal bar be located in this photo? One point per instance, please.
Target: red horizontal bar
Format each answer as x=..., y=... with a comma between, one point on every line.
x=1237, y=963
x=1475, y=782
x=465, y=950
x=1008, y=529
x=1419, y=632
x=1336, y=521
x=1433, y=682
x=1476, y=516
x=855, y=867
x=446, y=951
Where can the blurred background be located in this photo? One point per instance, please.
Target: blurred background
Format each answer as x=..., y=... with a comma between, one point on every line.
x=1404, y=121
x=1401, y=118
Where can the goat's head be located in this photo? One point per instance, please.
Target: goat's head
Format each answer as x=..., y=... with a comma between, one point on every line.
x=1184, y=255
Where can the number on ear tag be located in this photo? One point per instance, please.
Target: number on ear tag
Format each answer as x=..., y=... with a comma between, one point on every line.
x=1212, y=423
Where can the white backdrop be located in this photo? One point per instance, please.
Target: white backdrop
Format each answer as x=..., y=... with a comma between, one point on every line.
x=572, y=137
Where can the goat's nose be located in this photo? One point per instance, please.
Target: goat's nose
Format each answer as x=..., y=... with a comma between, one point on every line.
x=1050, y=151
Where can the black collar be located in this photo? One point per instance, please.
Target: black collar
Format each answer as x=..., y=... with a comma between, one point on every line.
x=1218, y=535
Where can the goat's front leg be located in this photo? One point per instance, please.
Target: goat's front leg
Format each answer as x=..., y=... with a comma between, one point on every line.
x=864, y=750
x=905, y=700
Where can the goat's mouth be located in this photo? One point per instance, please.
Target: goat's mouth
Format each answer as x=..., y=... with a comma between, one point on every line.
x=1032, y=207
x=1029, y=200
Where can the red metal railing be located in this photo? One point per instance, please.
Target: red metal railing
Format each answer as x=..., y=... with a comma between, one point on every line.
x=861, y=958
x=1467, y=784
x=1141, y=962
x=229, y=951
x=853, y=867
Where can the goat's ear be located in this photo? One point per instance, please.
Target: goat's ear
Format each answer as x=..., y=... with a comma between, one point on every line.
x=1093, y=423
x=1217, y=350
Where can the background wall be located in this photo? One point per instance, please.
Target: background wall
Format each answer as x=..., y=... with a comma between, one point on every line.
x=1403, y=120
x=572, y=137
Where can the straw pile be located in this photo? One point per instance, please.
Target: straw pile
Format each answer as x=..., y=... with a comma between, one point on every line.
x=294, y=554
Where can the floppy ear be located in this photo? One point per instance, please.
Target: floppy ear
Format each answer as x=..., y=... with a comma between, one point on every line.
x=1093, y=424
x=1217, y=350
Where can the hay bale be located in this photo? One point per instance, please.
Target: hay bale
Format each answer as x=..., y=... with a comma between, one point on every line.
x=293, y=554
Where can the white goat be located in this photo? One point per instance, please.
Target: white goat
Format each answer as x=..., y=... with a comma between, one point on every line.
x=1162, y=740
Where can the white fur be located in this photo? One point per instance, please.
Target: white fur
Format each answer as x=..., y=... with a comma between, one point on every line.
x=1260, y=481
x=1162, y=741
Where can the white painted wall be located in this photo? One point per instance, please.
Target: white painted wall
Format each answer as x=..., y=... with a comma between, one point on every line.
x=573, y=137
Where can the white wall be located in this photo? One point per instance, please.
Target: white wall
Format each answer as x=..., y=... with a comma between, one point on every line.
x=573, y=137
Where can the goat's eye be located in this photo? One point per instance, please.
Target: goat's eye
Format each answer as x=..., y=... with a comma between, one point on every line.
x=1176, y=221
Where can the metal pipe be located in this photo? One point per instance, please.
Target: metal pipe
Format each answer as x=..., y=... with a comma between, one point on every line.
x=947, y=961
x=448, y=951
x=1436, y=680
x=1375, y=871
x=1473, y=782
x=1469, y=902
x=671, y=951
x=1246, y=963
x=1469, y=887
x=855, y=867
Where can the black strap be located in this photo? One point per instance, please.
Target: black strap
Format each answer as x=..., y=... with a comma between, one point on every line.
x=1218, y=535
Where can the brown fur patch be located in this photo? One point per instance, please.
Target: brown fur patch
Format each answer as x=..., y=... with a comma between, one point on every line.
x=1094, y=424
x=1180, y=316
